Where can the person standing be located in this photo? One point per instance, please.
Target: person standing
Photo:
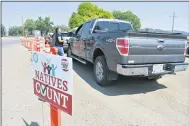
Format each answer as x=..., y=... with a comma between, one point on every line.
x=59, y=42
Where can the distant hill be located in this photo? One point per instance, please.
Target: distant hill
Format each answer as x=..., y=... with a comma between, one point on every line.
x=182, y=32
x=164, y=31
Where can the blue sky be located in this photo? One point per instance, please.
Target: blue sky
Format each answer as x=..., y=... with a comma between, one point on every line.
x=151, y=14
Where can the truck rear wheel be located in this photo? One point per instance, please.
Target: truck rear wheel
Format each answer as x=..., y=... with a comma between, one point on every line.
x=101, y=71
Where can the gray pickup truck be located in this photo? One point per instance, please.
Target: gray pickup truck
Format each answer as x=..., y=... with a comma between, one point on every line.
x=114, y=48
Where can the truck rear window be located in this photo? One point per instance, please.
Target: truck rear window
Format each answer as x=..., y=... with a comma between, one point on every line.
x=125, y=26
x=107, y=26
x=113, y=26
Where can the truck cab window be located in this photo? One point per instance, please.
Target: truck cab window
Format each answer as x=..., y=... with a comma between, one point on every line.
x=86, y=29
x=101, y=26
x=113, y=26
x=125, y=26
x=106, y=26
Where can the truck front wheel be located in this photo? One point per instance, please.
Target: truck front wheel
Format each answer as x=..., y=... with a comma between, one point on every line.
x=101, y=71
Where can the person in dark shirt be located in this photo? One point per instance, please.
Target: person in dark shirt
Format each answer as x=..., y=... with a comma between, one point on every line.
x=59, y=42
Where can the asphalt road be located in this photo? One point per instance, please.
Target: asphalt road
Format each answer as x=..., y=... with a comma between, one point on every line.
x=130, y=101
x=7, y=41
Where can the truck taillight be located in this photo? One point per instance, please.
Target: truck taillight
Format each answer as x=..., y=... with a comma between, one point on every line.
x=122, y=45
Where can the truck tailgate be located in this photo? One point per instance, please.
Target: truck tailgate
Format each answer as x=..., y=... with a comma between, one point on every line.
x=155, y=48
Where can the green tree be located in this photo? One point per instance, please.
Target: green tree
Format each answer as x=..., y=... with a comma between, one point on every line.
x=63, y=28
x=40, y=25
x=128, y=16
x=44, y=25
x=29, y=25
x=15, y=31
x=75, y=20
x=48, y=24
x=3, y=30
x=87, y=11
x=52, y=29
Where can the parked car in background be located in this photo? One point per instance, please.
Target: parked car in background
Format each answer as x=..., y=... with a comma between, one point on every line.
x=48, y=38
x=115, y=48
x=66, y=38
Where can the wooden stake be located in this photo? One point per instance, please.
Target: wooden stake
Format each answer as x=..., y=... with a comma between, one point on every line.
x=55, y=116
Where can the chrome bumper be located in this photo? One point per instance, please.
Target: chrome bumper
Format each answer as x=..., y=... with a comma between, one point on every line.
x=147, y=69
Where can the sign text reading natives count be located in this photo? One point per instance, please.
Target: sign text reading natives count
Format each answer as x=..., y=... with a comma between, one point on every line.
x=53, y=79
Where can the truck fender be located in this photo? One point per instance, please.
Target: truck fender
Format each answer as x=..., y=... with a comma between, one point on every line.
x=98, y=49
x=99, y=52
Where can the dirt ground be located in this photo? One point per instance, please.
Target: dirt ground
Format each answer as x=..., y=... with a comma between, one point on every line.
x=130, y=101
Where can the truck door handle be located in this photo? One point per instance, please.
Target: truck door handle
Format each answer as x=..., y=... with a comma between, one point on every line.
x=161, y=40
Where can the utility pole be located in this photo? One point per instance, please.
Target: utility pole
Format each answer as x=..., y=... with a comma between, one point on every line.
x=173, y=21
x=22, y=19
x=22, y=25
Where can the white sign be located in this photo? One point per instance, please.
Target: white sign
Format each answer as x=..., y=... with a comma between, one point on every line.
x=53, y=79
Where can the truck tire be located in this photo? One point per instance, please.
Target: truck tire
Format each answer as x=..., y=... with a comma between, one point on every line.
x=101, y=71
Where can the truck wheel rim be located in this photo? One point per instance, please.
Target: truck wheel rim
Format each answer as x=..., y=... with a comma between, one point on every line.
x=99, y=71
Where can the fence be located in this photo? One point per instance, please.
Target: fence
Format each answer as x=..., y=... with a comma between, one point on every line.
x=38, y=44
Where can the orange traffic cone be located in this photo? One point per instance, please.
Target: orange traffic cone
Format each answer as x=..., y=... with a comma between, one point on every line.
x=54, y=50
